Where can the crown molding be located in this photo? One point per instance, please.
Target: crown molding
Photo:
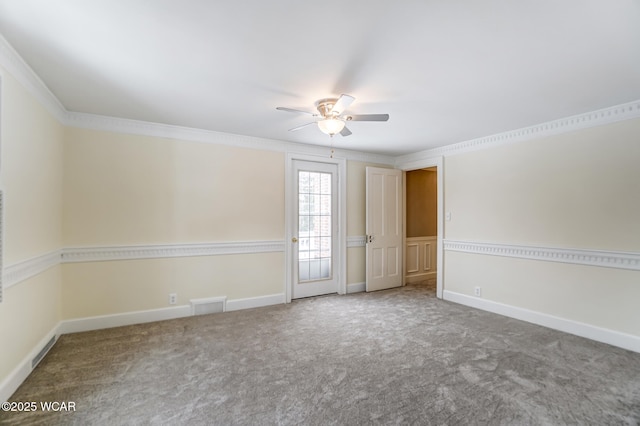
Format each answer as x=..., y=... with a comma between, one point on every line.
x=22, y=72
x=627, y=111
x=601, y=258
x=167, y=131
x=15, y=65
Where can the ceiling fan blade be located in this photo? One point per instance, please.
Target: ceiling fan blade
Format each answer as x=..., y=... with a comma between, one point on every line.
x=300, y=127
x=342, y=104
x=296, y=110
x=345, y=131
x=367, y=117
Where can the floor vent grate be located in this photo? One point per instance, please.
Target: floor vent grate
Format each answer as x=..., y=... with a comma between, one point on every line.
x=43, y=352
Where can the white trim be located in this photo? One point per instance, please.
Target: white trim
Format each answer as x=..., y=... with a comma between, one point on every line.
x=97, y=254
x=611, y=337
x=126, y=318
x=206, y=301
x=627, y=111
x=29, y=268
x=21, y=71
x=145, y=128
x=19, y=374
x=356, y=287
x=601, y=258
x=26, y=269
x=357, y=241
x=24, y=74
x=255, y=302
x=290, y=199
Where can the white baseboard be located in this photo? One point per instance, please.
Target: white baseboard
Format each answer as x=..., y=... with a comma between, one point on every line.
x=611, y=337
x=11, y=383
x=19, y=374
x=356, y=288
x=127, y=318
x=255, y=302
x=416, y=278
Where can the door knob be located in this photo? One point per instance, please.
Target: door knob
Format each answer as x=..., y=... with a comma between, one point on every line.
x=294, y=240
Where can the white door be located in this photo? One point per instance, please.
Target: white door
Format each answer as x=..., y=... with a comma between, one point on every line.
x=315, y=229
x=384, y=228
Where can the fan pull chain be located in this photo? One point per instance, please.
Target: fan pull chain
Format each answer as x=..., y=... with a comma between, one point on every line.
x=331, y=155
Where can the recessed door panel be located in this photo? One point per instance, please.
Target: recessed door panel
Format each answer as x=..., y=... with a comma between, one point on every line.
x=384, y=228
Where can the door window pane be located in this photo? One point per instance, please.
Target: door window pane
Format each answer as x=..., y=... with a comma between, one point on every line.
x=314, y=226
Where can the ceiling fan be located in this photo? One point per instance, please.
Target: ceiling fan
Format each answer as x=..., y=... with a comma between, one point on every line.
x=332, y=120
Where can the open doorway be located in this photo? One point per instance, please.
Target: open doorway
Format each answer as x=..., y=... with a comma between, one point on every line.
x=421, y=235
x=424, y=225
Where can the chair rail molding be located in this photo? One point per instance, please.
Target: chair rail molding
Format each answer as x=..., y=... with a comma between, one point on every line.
x=356, y=241
x=97, y=254
x=21, y=271
x=601, y=258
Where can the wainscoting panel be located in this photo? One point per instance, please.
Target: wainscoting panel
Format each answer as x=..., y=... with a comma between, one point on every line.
x=420, y=259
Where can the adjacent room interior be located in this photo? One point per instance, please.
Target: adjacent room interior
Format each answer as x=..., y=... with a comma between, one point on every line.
x=165, y=161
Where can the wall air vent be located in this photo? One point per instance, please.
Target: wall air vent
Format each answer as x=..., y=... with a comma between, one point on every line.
x=211, y=305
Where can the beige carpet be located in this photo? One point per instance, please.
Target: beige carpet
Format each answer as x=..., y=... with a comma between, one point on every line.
x=392, y=357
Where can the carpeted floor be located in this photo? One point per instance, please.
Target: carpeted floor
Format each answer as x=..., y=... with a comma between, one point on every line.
x=393, y=357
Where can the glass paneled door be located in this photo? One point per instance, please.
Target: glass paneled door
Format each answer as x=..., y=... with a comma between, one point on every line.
x=315, y=230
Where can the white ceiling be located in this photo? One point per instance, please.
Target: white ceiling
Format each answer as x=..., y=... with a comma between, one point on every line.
x=445, y=71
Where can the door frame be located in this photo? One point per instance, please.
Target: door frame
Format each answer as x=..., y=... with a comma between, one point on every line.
x=437, y=162
x=289, y=203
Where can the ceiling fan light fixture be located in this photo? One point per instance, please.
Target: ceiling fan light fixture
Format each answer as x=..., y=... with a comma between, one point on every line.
x=331, y=126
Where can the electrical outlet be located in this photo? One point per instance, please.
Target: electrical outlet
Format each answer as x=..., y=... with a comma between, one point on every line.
x=173, y=298
x=477, y=291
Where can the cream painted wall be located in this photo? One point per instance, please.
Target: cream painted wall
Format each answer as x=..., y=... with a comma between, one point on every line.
x=76, y=187
x=356, y=265
x=576, y=190
x=103, y=288
x=31, y=177
x=126, y=189
x=603, y=297
x=29, y=312
x=356, y=197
